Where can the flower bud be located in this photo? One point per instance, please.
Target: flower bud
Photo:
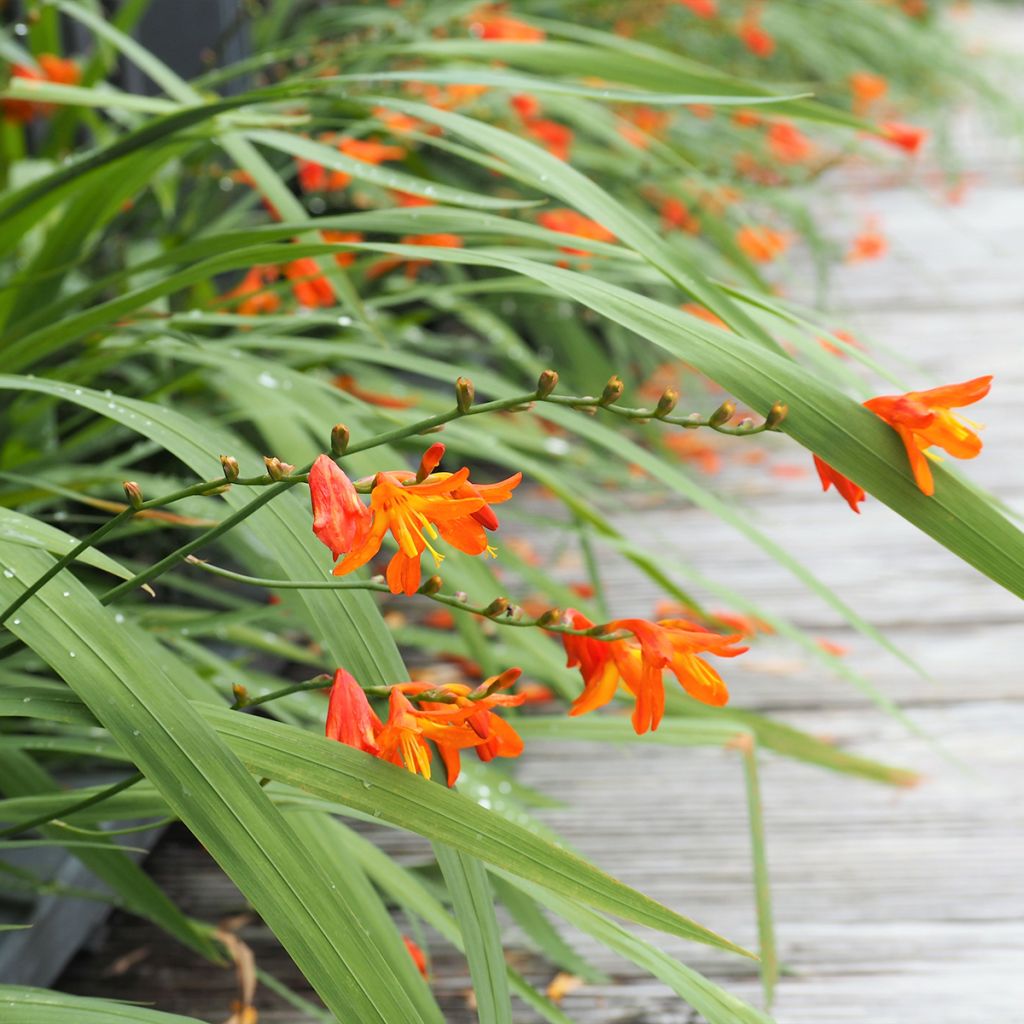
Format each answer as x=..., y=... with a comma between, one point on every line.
x=432, y=586
x=776, y=414
x=550, y=617
x=277, y=469
x=722, y=414
x=497, y=607
x=667, y=402
x=230, y=466
x=461, y=596
x=339, y=439
x=133, y=492
x=612, y=391
x=464, y=393
x=546, y=383
x=430, y=461
x=241, y=695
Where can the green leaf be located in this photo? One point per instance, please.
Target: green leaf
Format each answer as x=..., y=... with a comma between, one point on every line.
x=337, y=772
x=207, y=787
x=23, y=1005
x=17, y=528
x=473, y=902
x=716, y=1005
x=346, y=623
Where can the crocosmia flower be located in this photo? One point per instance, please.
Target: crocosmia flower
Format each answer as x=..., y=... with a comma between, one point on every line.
x=350, y=719
x=908, y=137
x=639, y=661
x=417, y=509
x=924, y=419
x=853, y=493
x=569, y=222
x=762, y=244
x=51, y=69
x=340, y=519
x=491, y=24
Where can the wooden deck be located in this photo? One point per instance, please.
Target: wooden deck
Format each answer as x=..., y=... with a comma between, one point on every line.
x=892, y=906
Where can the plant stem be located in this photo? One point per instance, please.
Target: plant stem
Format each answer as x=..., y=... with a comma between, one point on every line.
x=506, y=617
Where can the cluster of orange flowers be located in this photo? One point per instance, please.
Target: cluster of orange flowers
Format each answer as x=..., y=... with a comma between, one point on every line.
x=416, y=508
x=453, y=717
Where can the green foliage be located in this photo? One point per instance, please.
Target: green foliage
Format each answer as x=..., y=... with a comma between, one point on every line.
x=136, y=347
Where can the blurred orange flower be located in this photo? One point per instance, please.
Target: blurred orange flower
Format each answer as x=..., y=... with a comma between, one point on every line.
x=866, y=88
x=788, y=144
x=702, y=8
x=311, y=288
x=569, y=222
x=490, y=23
x=51, y=69
x=869, y=244
x=761, y=243
x=905, y=136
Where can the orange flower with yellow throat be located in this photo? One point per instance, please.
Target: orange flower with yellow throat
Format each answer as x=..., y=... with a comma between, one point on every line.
x=418, y=509
x=923, y=420
x=455, y=719
x=638, y=662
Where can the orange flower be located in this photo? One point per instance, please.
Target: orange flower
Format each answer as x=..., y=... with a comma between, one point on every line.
x=408, y=199
x=702, y=8
x=762, y=244
x=788, y=144
x=853, y=493
x=526, y=105
x=403, y=739
x=418, y=956
x=314, y=177
x=400, y=124
x=557, y=138
x=834, y=349
x=51, y=69
x=702, y=110
x=343, y=259
x=350, y=719
x=905, y=136
x=346, y=382
x=311, y=288
x=445, y=505
x=695, y=309
x=340, y=519
x=866, y=89
x=253, y=293
x=870, y=244
x=639, y=663
x=370, y=152
x=569, y=222
x=413, y=267
x=648, y=119
x=923, y=419
x=692, y=448
x=472, y=708
x=746, y=119
x=490, y=23
x=754, y=37
x=674, y=214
